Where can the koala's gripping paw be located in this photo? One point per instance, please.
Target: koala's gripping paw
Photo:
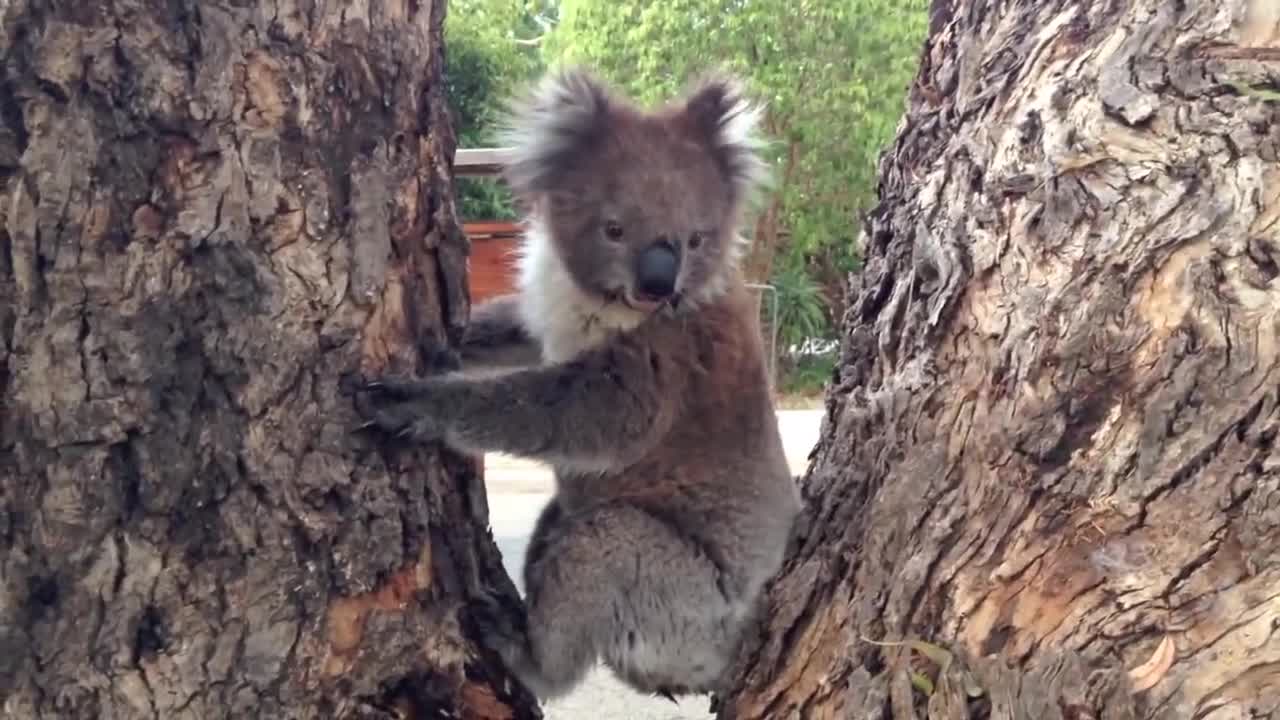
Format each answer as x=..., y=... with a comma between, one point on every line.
x=500, y=627
x=400, y=407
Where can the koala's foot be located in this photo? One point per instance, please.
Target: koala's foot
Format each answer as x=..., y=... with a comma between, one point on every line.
x=500, y=627
x=440, y=359
x=669, y=693
x=504, y=630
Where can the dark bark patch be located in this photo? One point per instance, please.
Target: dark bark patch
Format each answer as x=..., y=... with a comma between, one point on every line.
x=151, y=634
x=43, y=594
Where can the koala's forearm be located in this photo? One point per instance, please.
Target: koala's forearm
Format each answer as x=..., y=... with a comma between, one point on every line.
x=496, y=336
x=574, y=415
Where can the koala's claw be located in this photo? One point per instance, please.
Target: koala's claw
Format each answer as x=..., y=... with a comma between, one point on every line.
x=404, y=408
x=398, y=388
x=664, y=692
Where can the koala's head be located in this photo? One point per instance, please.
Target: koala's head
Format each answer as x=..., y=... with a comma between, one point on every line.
x=641, y=206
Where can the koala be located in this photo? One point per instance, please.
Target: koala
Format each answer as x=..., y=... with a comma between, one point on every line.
x=635, y=367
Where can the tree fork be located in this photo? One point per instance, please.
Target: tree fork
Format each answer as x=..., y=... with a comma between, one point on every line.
x=210, y=213
x=1046, y=486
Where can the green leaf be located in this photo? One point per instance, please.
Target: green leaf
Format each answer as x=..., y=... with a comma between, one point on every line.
x=921, y=682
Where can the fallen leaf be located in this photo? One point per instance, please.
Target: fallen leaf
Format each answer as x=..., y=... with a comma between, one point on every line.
x=1146, y=675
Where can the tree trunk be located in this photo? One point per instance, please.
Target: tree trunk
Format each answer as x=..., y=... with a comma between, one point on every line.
x=1050, y=445
x=212, y=212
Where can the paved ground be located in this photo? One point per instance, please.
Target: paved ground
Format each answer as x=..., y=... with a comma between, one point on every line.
x=517, y=491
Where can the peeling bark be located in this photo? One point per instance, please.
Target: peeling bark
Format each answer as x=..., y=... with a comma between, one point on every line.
x=210, y=213
x=1050, y=445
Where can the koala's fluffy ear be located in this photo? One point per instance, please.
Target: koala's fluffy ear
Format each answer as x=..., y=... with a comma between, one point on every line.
x=545, y=129
x=727, y=120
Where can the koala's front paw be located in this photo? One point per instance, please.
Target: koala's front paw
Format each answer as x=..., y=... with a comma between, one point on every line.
x=401, y=407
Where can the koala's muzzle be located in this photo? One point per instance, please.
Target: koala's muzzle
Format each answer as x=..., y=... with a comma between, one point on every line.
x=656, y=270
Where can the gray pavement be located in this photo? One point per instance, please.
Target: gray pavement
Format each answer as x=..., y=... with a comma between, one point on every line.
x=518, y=489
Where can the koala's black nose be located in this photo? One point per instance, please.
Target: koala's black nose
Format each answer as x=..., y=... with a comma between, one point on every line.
x=656, y=270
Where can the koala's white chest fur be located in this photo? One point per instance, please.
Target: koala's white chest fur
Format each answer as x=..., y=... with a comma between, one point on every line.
x=566, y=320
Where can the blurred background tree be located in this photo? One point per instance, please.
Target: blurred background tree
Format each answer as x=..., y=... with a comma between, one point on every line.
x=492, y=48
x=833, y=77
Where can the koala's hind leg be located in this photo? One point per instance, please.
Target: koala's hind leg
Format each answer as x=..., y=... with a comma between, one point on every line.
x=617, y=583
x=547, y=526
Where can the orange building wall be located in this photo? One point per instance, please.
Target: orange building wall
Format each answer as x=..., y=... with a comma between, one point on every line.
x=492, y=265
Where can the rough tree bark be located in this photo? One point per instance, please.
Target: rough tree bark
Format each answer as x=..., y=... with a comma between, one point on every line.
x=1051, y=443
x=212, y=212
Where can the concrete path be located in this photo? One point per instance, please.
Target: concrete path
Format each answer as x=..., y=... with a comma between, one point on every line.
x=517, y=491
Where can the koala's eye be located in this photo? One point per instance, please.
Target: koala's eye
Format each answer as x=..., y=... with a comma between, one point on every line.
x=613, y=230
x=695, y=240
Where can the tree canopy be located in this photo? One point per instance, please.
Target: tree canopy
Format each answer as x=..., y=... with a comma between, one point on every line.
x=492, y=47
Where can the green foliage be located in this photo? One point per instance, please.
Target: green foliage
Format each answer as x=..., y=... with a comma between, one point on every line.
x=801, y=305
x=802, y=318
x=491, y=48
x=808, y=374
